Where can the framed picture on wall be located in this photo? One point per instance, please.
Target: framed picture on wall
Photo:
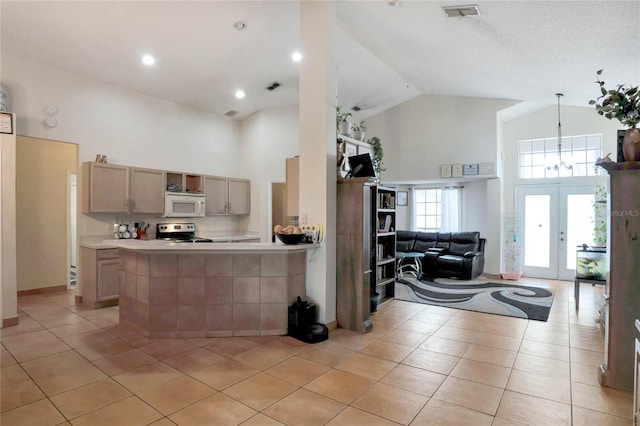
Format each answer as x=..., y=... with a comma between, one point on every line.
x=6, y=123
x=403, y=198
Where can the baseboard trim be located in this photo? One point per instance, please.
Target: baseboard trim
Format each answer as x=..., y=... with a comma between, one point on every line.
x=42, y=290
x=332, y=325
x=78, y=300
x=10, y=322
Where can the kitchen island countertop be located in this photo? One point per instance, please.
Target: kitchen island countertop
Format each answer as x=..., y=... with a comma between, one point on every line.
x=159, y=245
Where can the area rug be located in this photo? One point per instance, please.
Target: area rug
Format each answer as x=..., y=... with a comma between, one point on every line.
x=493, y=298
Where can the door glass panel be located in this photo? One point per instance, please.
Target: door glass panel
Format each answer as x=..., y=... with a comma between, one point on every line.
x=580, y=224
x=536, y=230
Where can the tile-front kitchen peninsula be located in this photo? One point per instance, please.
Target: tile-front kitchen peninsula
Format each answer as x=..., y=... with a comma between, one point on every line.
x=170, y=290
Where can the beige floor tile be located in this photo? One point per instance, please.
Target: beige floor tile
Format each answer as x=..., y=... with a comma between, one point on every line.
x=304, y=408
x=453, y=333
x=123, y=362
x=260, y=391
x=408, y=338
x=605, y=400
x=261, y=420
x=498, y=341
x=6, y=359
x=231, y=346
x=541, y=365
x=298, y=371
x=176, y=394
x=516, y=330
x=103, y=348
x=472, y=395
x=62, y=372
x=88, y=398
x=541, y=385
x=140, y=379
x=432, y=317
x=218, y=409
x=166, y=348
x=223, y=374
x=432, y=361
x=498, y=421
x=12, y=375
x=88, y=338
x=465, y=323
x=419, y=326
x=545, y=350
x=163, y=422
x=585, y=357
x=366, y=366
x=288, y=345
x=129, y=411
x=445, y=346
x=352, y=340
x=352, y=416
x=414, y=379
x=326, y=354
x=547, y=336
x=194, y=360
x=584, y=374
x=395, y=404
x=79, y=327
x=531, y=410
x=444, y=414
x=38, y=344
x=262, y=357
x=585, y=417
x=490, y=355
x=39, y=413
x=387, y=350
x=25, y=326
x=340, y=385
x=20, y=394
x=481, y=372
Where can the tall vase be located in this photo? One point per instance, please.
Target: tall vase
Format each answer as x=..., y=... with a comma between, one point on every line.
x=631, y=145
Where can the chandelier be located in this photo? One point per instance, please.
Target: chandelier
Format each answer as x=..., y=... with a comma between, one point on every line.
x=561, y=164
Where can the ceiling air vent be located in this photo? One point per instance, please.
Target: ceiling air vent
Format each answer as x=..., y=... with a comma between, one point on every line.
x=231, y=113
x=273, y=86
x=457, y=11
x=355, y=108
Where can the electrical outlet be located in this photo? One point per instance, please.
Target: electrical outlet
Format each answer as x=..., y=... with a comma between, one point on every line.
x=23, y=274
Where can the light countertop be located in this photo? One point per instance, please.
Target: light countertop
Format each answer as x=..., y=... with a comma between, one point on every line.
x=105, y=242
x=159, y=245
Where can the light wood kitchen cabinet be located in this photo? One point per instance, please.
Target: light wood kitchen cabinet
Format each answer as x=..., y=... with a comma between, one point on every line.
x=227, y=196
x=147, y=190
x=293, y=186
x=105, y=188
x=100, y=276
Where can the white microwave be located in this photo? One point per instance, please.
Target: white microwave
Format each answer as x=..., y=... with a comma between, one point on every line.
x=183, y=205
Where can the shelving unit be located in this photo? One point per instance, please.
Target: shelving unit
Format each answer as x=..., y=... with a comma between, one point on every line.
x=385, y=242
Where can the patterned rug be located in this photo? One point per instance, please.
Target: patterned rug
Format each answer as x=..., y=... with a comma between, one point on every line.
x=493, y=298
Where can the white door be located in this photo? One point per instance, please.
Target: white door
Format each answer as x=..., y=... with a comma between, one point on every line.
x=556, y=219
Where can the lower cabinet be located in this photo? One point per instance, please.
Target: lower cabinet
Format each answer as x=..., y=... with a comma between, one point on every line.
x=100, y=276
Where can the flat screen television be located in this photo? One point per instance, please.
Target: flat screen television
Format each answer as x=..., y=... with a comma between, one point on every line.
x=361, y=166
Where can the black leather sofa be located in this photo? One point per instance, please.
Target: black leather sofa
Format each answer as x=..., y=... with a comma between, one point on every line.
x=444, y=254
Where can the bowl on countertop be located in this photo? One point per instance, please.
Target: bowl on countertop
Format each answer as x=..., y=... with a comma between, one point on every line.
x=290, y=238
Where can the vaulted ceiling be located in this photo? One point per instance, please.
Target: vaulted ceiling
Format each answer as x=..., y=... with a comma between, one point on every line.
x=522, y=50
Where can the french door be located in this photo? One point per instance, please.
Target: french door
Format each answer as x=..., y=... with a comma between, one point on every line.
x=556, y=219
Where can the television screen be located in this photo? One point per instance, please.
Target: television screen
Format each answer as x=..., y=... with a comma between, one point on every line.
x=361, y=166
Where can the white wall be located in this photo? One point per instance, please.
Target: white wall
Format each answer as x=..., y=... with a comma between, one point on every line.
x=427, y=131
x=268, y=137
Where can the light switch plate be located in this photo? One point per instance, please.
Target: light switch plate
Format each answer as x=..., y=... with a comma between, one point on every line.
x=445, y=170
x=456, y=170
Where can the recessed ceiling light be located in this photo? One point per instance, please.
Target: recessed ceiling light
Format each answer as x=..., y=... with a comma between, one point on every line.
x=296, y=57
x=239, y=25
x=240, y=94
x=148, y=60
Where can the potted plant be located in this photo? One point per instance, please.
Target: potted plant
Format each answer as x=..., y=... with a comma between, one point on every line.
x=342, y=125
x=377, y=155
x=357, y=131
x=623, y=104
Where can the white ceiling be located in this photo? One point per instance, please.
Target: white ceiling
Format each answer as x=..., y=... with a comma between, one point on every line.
x=523, y=50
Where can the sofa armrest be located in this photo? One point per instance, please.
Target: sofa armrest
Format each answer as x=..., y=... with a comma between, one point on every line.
x=472, y=253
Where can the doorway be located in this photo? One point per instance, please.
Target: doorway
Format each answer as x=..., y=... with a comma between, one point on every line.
x=556, y=219
x=72, y=179
x=278, y=207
